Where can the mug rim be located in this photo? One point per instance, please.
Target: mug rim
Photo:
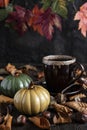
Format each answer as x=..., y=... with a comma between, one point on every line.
x=48, y=60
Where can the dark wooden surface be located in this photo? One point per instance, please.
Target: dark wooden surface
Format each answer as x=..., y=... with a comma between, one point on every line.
x=70, y=126
x=30, y=126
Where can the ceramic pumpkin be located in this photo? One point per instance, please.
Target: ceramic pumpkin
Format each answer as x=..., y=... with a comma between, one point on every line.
x=11, y=84
x=32, y=100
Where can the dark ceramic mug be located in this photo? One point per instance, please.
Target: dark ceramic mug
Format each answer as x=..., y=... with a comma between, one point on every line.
x=60, y=71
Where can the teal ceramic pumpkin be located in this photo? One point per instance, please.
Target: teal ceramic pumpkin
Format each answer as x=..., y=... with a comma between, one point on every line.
x=11, y=84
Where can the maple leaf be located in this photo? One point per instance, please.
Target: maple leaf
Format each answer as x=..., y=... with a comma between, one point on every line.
x=34, y=16
x=43, y=21
x=18, y=19
x=48, y=20
x=4, y=3
x=82, y=17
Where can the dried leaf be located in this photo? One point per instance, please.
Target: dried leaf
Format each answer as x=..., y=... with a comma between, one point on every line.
x=6, y=125
x=57, y=119
x=9, y=122
x=62, y=109
x=40, y=74
x=79, y=106
x=28, y=67
x=83, y=82
x=5, y=99
x=41, y=122
x=77, y=96
x=63, y=114
x=9, y=67
x=60, y=98
x=2, y=127
x=12, y=69
x=84, y=86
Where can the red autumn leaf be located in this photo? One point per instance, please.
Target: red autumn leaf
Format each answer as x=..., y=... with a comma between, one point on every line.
x=48, y=20
x=4, y=3
x=82, y=17
x=18, y=19
x=44, y=22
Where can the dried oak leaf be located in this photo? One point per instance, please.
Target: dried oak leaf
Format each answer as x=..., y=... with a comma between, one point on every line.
x=60, y=98
x=79, y=106
x=9, y=67
x=40, y=74
x=77, y=97
x=26, y=68
x=41, y=122
x=81, y=15
x=5, y=99
x=6, y=125
x=84, y=86
x=62, y=109
x=61, y=118
x=83, y=82
x=12, y=69
x=63, y=114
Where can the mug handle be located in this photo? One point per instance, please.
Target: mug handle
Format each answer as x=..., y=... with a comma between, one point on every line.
x=81, y=68
x=72, y=82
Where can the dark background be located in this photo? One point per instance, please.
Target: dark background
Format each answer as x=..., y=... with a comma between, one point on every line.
x=31, y=47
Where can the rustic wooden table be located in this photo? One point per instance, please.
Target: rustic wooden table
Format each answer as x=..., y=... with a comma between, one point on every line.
x=30, y=126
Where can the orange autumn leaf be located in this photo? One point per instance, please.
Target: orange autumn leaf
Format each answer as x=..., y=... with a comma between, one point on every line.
x=35, y=13
x=81, y=15
x=4, y=3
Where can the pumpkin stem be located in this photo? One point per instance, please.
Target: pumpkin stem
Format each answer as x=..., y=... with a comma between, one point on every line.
x=31, y=85
x=12, y=69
